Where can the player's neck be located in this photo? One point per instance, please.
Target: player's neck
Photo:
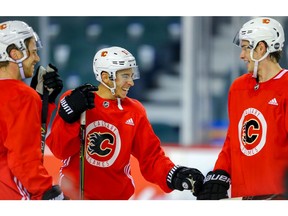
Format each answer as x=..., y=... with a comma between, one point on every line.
x=7, y=73
x=268, y=72
x=104, y=92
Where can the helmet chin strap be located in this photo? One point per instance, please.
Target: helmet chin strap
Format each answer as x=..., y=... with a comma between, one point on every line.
x=256, y=62
x=111, y=89
x=20, y=65
x=113, y=93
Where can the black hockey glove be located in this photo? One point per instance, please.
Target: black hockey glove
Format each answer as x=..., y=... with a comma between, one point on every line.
x=55, y=193
x=50, y=79
x=216, y=186
x=80, y=99
x=185, y=178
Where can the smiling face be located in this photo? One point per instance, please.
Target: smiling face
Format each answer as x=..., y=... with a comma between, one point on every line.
x=32, y=59
x=124, y=80
x=12, y=68
x=121, y=85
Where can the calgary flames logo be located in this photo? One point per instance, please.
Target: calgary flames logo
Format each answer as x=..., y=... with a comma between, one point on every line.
x=103, y=144
x=265, y=21
x=96, y=144
x=252, y=130
x=3, y=26
x=104, y=53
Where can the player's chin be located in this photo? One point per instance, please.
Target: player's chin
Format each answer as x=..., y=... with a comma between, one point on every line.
x=123, y=94
x=29, y=74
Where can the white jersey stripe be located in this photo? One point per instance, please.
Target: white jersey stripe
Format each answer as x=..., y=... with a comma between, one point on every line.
x=22, y=190
x=281, y=74
x=127, y=169
x=65, y=163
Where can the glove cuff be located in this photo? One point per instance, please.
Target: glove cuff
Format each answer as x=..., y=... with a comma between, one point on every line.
x=219, y=176
x=171, y=175
x=69, y=111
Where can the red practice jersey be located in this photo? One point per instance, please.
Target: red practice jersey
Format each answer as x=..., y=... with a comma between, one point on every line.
x=112, y=136
x=22, y=174
x=255, y=152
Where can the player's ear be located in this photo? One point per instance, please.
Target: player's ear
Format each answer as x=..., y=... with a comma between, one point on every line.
x=15, y=54
x=105, y=77
x=262, y=47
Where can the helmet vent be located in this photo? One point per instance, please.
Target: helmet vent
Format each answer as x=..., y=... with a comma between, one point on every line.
x=24, y=32
x=118, y=62
x=121, y=62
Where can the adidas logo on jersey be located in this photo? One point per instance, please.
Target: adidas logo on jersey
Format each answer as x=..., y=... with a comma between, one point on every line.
x=130, y=122
x=273, y=102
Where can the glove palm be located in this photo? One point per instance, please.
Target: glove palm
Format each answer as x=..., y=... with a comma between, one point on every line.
x=50, y=79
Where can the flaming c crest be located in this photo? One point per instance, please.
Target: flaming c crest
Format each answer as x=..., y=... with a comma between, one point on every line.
x=4, y=26
x=104, y=53
x=266, y=21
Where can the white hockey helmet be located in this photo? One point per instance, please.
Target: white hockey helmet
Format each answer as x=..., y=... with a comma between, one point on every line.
x=15, y=32
x=262, y=29
x=113, y=59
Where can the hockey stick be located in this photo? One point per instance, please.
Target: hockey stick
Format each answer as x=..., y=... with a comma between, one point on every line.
x=82, y=150
x=44, y=118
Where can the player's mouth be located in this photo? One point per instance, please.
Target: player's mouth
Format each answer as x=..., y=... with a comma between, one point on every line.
x=125, y=89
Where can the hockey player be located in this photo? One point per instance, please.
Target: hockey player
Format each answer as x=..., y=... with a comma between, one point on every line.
x=116, y=128
x=22, y=174
x=254, y=155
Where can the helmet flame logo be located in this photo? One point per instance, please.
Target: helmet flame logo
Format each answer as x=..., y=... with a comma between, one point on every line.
x=104, y=53
x=2, y=27
x=266, y=21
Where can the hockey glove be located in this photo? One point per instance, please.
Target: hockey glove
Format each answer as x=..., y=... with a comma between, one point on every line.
x=216, y=186
x=50, y=79
x=80, y=99
x=185, y=178
x=55, y=193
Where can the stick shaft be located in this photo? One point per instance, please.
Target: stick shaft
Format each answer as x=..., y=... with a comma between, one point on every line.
x=44, y=118
x=82, y=150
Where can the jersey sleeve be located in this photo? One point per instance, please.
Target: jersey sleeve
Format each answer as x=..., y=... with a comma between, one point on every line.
x=153, y=162
x=23, y=145
x=63, y=143
x=223, y=161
